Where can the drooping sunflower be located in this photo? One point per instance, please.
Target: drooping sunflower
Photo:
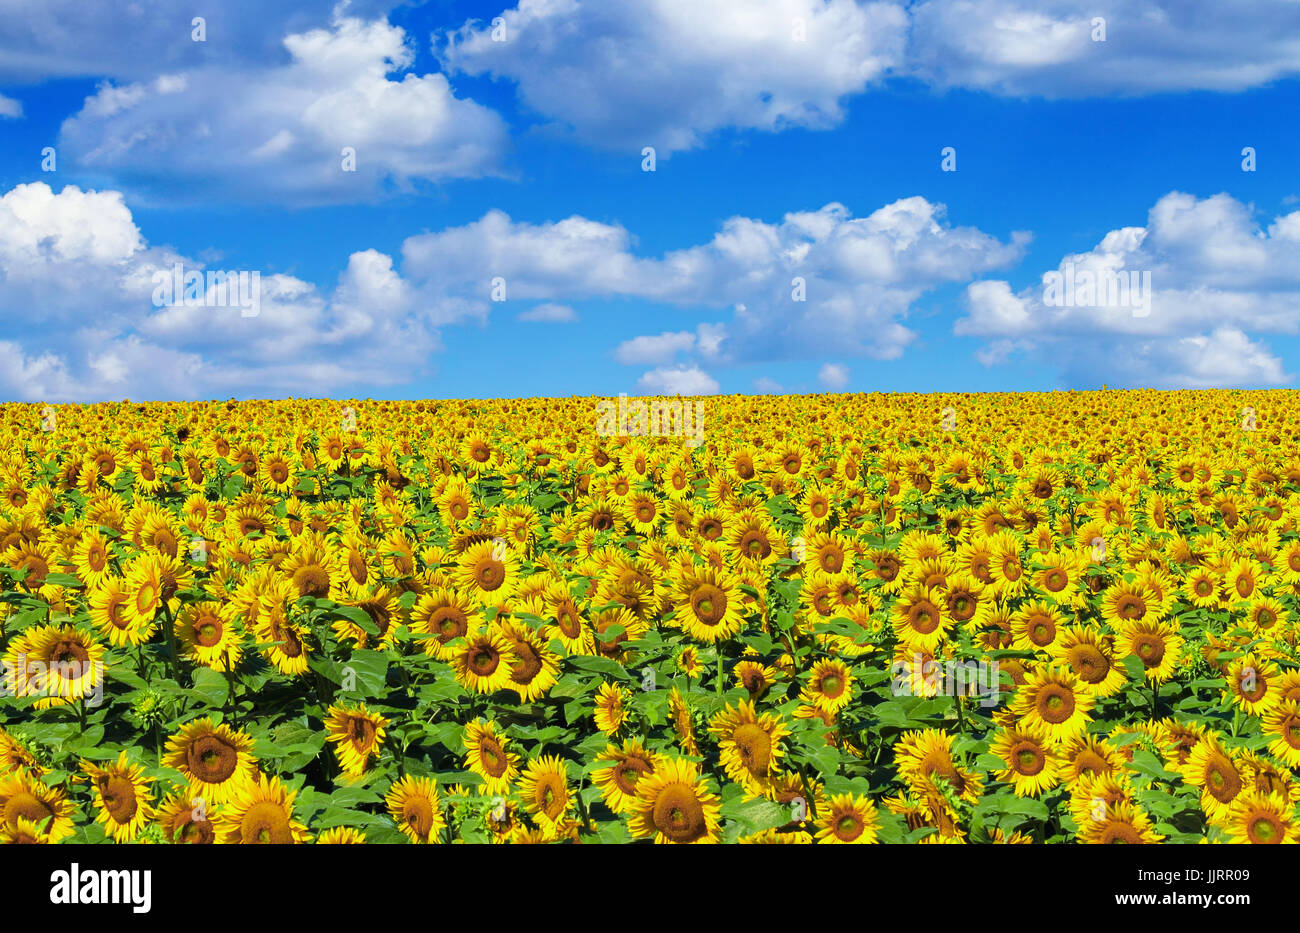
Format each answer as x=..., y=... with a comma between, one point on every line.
x=488, y=755
x=121, y=792
x=416, y=806
x=358, y=735
x=111, y=613
x=674, y=805
x=216, y=759
x=847, y=819
x=260, y=812
x=707, y=603
x=484, y=660
x=748, y=743
x=618, y=782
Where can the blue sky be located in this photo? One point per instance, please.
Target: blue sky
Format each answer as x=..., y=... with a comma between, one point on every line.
x=817, y=158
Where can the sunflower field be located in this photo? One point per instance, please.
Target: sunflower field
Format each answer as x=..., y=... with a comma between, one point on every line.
x=1015, y=618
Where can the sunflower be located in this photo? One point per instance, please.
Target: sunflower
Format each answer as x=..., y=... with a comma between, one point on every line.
x=1091, y=658
x=674, y=805
x=1088, y=757
x=707, y=604
x=261, y=813
x=23, y=831
x=919, y=620
x=611, y=711
x=444, y=615
x=1201, y=587
x=23, y=796
x=1261, y=819
x=1215, y=771
x=216, y=759
x=341, y=835
x=565, y=620
x=358, y=733
x=1120, y=822
x=188, y=820
x=1263, y=615
x=847, y=819
x=92, y=558
x=754, y=677
x=1053, y=699
x=1253, y=684
x=829, y=686
x=489, y=571
x=111, y=613
x=416, y=807
x=59, y=665
x=618, y=781
x=748, y=742
x=1033, y=765
x=1157, y=645
x=122, y=795
x=923, y=756
x=484, y=661
x=1036, y=627
x=1281, y=724
x=209, y=637
x=1129, y=603
x=487, y=754
x=537, y=669
x=544, y=788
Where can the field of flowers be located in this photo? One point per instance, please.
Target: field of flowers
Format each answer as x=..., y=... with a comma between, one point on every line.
x=1050, y=618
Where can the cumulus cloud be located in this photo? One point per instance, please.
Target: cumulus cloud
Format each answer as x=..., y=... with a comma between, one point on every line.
x=549, y=313
x=833, y=376
x=1047, y=47
x=678, y=380
x=79, y=282
x=10, y=107
x=290, y=131
x=815, y=279
x=665, y=74
x=1171, y=303
x=42, y=39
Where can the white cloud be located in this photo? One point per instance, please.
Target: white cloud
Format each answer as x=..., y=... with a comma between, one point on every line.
x=665, y=74
x=860, y=275
x=278, y=132
x=10, y=107
x=765, y=385
x=549, y=313
x=1215, y=277
x=678, y=380
x=1046, y=47
x=83, y=275
x=651, y=350
x=833, y=376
